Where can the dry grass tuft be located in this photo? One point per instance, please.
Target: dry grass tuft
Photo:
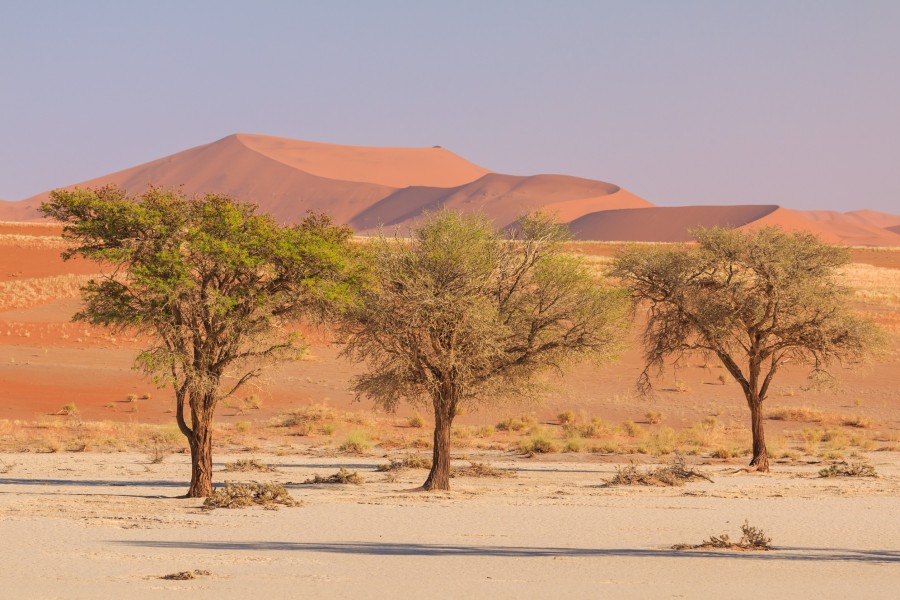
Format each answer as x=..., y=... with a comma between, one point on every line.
x=410, y=461
x=343, y=476
x=249, y=464
x=479, y=469
x=186, y=575
x=843, y=469
x=752, y=538
x=676, y=473
x=242, y=495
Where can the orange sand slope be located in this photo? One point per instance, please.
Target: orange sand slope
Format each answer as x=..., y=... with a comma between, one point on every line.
x=370, y=187
x=663, y=224
x=502, y=198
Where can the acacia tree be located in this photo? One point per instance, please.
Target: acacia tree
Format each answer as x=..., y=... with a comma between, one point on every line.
x=757, y=301
x=460, y=314
x=211, y=284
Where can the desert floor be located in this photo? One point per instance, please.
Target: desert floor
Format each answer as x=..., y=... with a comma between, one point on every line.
x=93, y=525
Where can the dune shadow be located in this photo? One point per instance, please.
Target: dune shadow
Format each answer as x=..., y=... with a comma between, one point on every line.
x=394, y=549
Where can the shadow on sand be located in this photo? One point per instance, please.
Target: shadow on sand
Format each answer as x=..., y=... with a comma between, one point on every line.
x=386, y=549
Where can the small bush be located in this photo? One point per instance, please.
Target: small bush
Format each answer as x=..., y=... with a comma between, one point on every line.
x=242, y=495
x=539, y=443
x=186, y=575
x=653, y=417
x=856, y=469
x=676, y=473
x=357, y=442
x=478, y=469
x=566, y=417
x=803, y=414
x=410, y=461
x=248, y=464
x=573, y=444
x=343, y=476
x=317, y=413
x=752, y=538
x=70, y=410
x=328, y=429
x=252, y=402
x=860, y=422
x=631, y=429
x=515, y=424
x=416, y=421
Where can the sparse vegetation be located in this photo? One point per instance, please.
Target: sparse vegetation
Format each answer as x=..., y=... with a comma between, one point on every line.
x=356, y=442
x=653, y=417
x=248, y=464
x=479, y=469
x=410, y=461
x=186, y=575
x=676, y=473
x=343, y=476
x=843, y=469
x=242, y=495
x=752, y=538
x=416, y=421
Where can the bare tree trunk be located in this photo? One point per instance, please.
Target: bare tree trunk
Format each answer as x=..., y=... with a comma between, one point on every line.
x=439, y=477
x=200, y=442
x=760, y=461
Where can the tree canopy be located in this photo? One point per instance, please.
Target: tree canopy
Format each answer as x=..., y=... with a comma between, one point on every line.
x=211, y=283
x=460, y=314
x=755, y=300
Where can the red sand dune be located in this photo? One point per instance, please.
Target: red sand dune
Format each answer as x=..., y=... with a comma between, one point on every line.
x=833, y=227
x=368, y=187
x=502, y=198
x=663, y=224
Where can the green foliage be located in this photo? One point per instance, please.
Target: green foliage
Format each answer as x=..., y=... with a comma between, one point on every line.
x=212, y=284
x=463, y=315
x=754, y=300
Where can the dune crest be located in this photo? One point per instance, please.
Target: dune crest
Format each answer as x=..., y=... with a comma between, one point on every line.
x=392, y=167
x=370, y=187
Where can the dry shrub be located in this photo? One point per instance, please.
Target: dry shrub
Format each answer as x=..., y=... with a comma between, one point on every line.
x=357, y=442
x=343, y=476
x=843, y=469
x=410, y=461
x=653, y=417
x=515, y=423
x=307, y=415
x=249, y=464
x=539, y=443
x=566, y=417
x=416, y=421
x=186, y=575
x=752, y=538
x=676, y=473
x=789, y=413
x=242, y=495
x=479, y=469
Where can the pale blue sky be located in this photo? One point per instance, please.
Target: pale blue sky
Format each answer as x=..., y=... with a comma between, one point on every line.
x=787, y=102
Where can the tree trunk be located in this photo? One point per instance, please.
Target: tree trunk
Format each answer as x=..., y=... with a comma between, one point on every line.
x=760, y=461
x=439, y=477
x=200, y=442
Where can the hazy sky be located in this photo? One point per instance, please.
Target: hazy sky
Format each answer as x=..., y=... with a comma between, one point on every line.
x=787, y=102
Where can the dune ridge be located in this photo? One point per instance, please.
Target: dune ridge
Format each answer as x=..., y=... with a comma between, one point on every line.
x=369, y=187
x=663, y=223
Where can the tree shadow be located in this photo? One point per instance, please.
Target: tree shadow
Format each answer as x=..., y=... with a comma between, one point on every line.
x=91, y=482
x=389, y=549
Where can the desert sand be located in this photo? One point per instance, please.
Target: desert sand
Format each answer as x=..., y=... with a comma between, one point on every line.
x=370, y=187
x=105, y=525
x=91, y=515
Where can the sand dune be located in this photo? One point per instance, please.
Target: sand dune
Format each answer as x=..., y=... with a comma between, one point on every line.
x=663, y=224
x=833, y=227
x=392, y=167
x=369, y=187
x=502, y=198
